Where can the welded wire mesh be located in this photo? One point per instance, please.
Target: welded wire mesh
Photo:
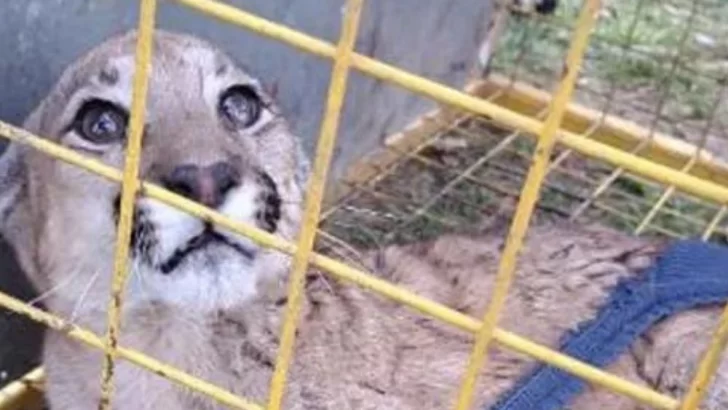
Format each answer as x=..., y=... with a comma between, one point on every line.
x=661, y=65
x=472, y=168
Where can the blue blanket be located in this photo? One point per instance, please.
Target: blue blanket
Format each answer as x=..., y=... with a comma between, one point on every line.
x=687, y=275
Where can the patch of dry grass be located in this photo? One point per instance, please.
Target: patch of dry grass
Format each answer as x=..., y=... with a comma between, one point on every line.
x=659, y=63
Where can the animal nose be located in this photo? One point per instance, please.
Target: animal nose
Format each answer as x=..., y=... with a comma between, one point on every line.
x=207, y=185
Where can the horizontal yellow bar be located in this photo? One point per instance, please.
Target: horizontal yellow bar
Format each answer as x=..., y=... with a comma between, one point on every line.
x=24, y=393
x=362, y=63
x=611, y=130
x=133, y=356
x=345, y=272
x=505, y=338
x=450, y=96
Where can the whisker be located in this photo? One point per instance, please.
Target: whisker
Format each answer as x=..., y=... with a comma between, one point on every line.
x=53, y=289
x=82, y=298
x=136, y=274
x=344, y=250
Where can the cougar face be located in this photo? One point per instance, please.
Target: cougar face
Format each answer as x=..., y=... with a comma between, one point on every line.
x=211, y=134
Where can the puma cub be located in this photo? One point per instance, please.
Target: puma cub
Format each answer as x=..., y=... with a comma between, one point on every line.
x=210, y=302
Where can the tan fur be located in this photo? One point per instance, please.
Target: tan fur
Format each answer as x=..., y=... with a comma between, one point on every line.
x=354, y=350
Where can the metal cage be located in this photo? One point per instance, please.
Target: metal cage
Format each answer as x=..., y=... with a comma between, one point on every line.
x=499, y=110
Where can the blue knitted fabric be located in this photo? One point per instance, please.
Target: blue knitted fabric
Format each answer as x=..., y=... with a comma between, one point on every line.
x=689, y=274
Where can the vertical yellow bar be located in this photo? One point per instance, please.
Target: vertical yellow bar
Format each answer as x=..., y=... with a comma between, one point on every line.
x=708, y=365
x=129, y=188
x=314, y=195
x=529, y=196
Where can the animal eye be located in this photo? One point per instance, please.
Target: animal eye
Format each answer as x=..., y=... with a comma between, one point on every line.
x=240, y=106
x=101, y=122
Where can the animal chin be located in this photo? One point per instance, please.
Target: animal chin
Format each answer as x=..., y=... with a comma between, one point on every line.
x=201, y=242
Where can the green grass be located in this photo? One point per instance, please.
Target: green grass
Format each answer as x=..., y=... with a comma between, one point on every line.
x=656, y=46
x=667, y=58
x=648, y=53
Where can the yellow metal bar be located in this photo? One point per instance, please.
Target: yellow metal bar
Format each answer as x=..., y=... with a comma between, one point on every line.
x=386, y=289
x=648, y=169
x=461, y=100
x=368, y=65
x=647, y=220
x=695, y=159
x=349, y=274
x=708, y=365
x=314, y=196
x=20, y=136
x=666, y=195
x=465, y=175
x=447, y=95
x=370, y=169
x=91, y=339
x=529, y=197
x=336, y=268
x=713, y=225
x=267, y=28
x=606, y=183
x=507, y=339
x=129, y=188
x=614, y=131
x=24, y=393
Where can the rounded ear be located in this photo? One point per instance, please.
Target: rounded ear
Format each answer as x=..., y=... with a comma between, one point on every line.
x=34, y=120
x=12, y=169
x=11, y=181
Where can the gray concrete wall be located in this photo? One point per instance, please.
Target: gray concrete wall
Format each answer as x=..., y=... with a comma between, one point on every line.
x=434, y=38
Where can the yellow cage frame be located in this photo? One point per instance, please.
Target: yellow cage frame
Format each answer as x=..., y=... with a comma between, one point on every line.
x=548, y=133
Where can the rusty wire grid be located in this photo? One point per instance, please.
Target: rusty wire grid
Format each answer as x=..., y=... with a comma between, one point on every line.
x=661, y=65
x=656, y=63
